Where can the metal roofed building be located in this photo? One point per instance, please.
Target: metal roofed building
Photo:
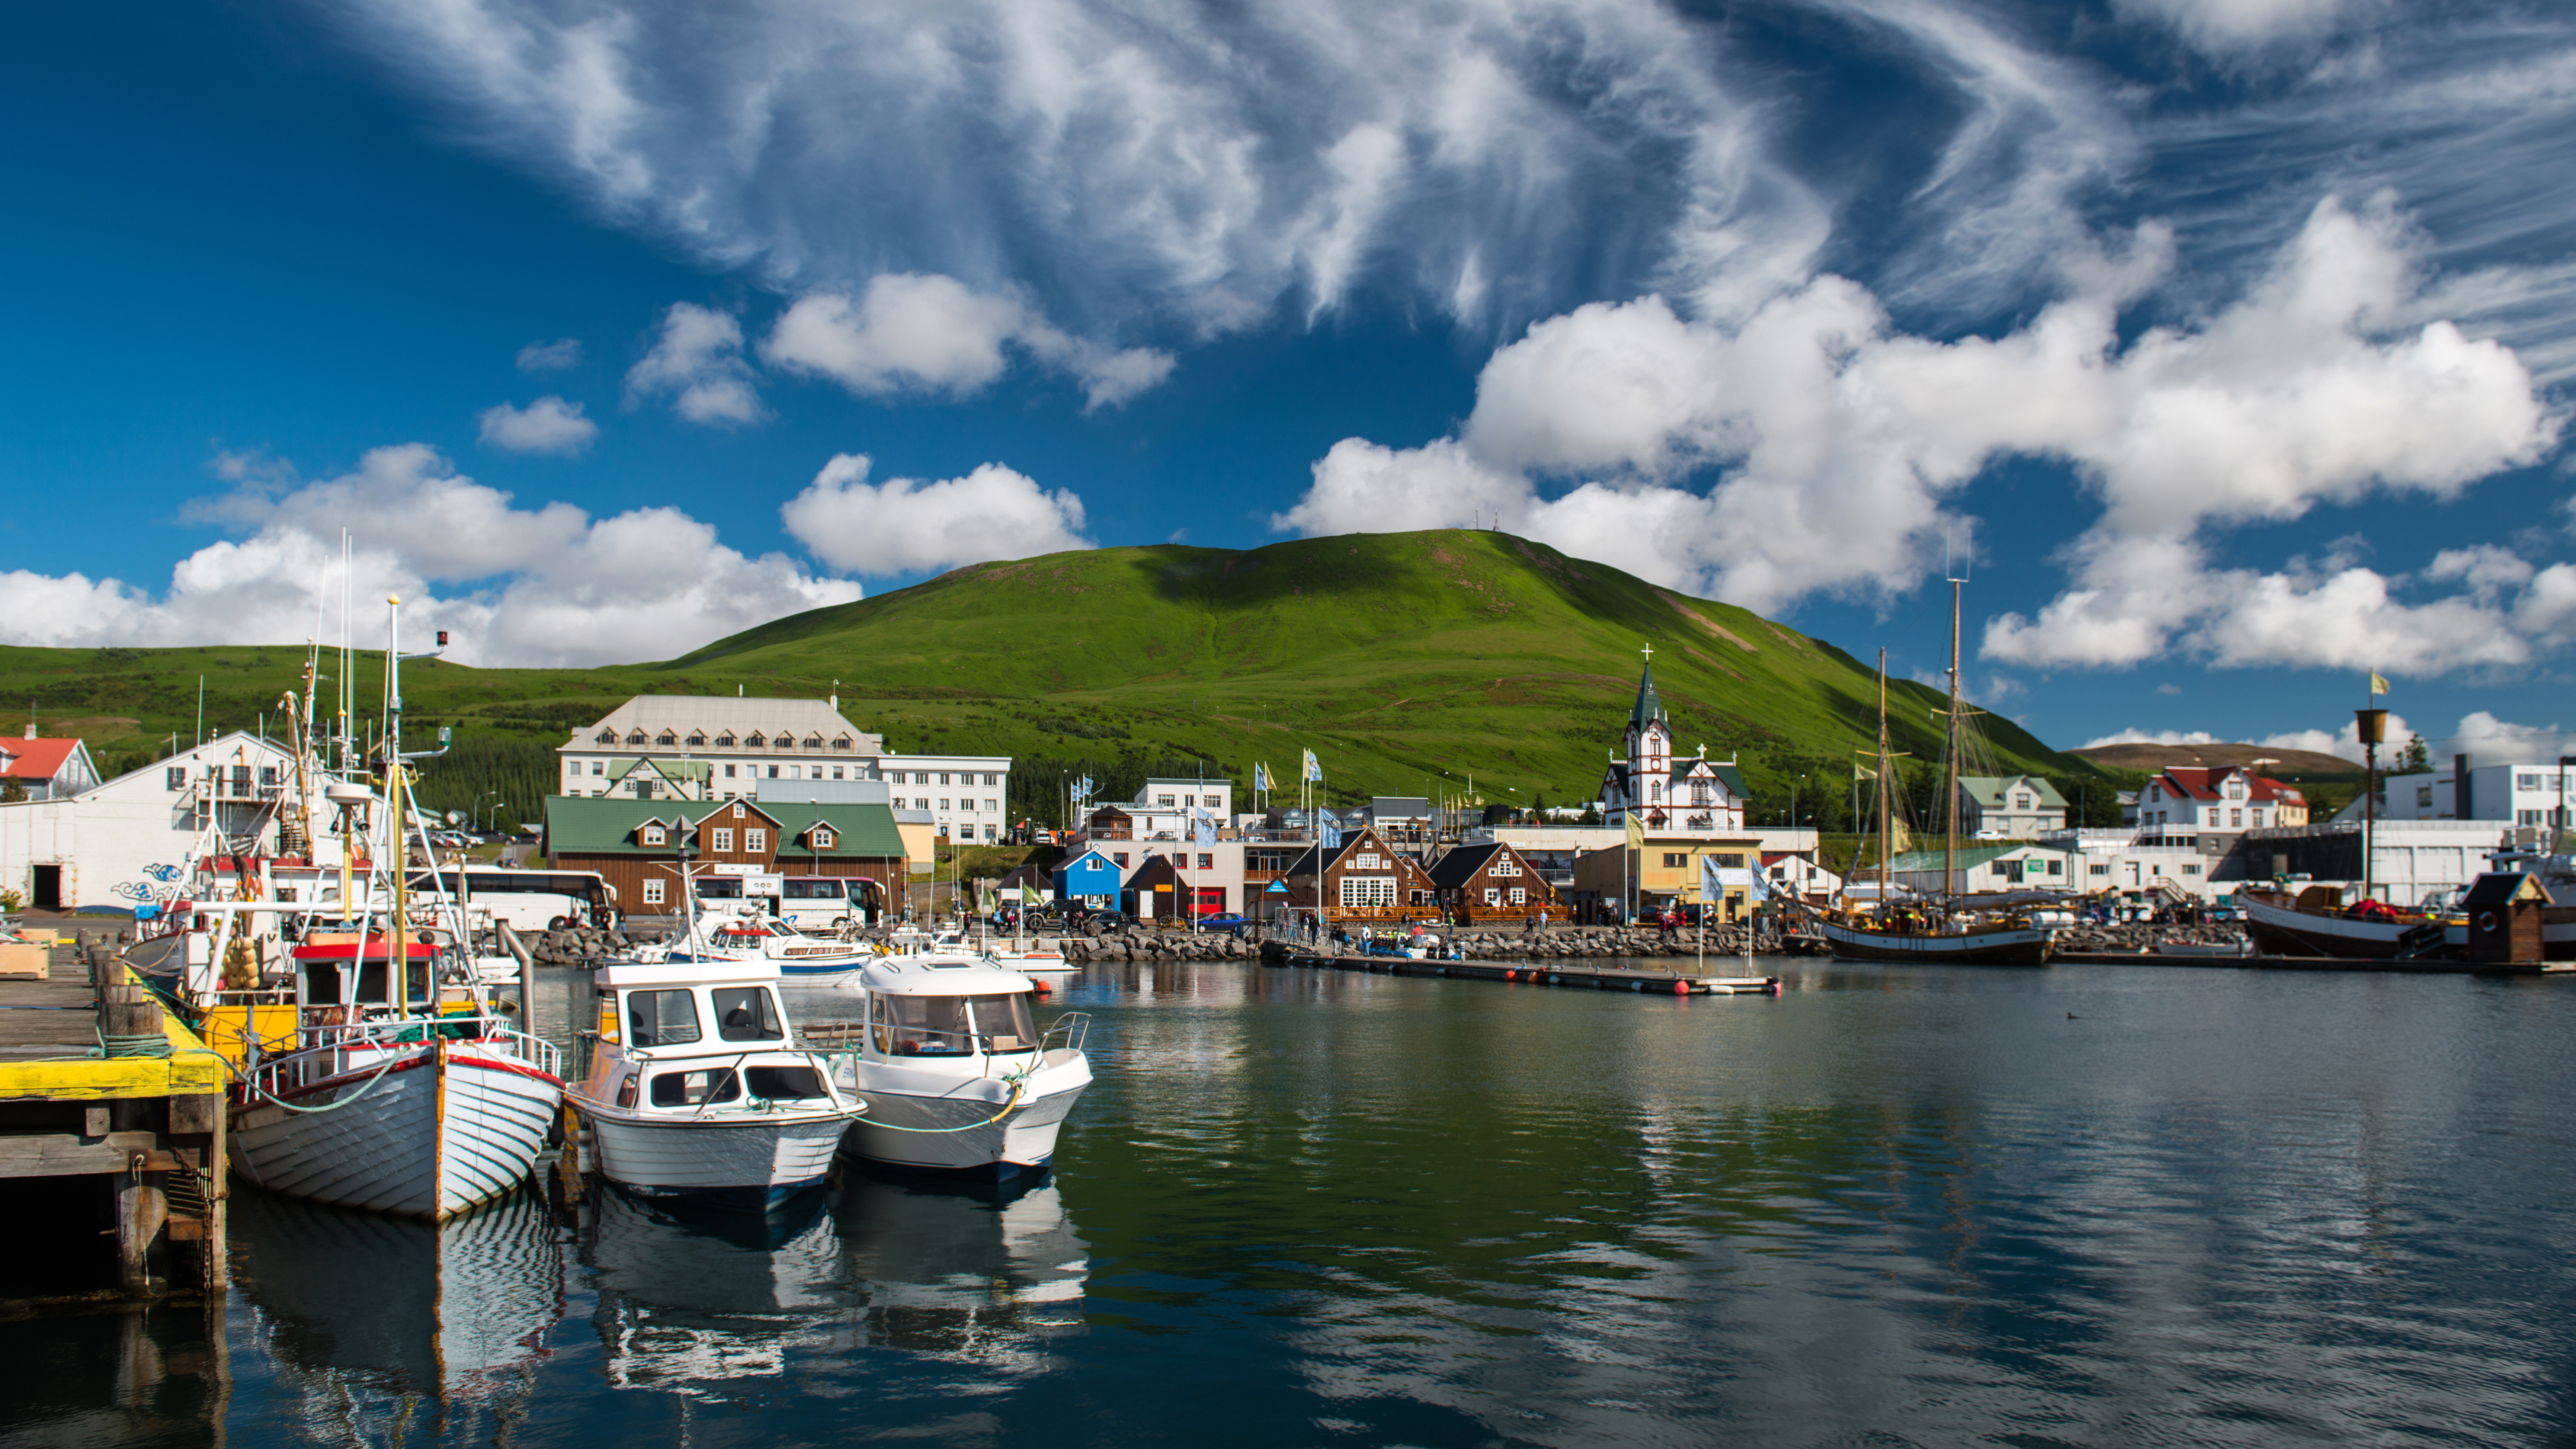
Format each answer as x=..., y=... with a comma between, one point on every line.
x=738, y=740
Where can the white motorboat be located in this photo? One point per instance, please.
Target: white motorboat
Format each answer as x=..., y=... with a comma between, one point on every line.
x=802, y=960
x=694, y=1089
x=956, y=1076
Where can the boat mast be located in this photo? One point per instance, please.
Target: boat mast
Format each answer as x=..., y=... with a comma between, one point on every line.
x=1950, y=760
x=1886, y=832
x=398, y=967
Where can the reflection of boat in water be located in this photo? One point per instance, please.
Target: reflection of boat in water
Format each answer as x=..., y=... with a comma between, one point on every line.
x=692, y=1297
x=358, y=1304
x=688, y=1295
x=962, y=1270
x=689, y=1298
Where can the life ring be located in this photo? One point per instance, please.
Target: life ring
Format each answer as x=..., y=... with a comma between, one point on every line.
x=2486, y=920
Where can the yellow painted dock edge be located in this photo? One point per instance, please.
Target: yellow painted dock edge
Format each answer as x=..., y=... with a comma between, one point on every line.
x=190, y=1070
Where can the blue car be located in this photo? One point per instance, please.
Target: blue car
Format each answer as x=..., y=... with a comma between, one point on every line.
x=1227, y=922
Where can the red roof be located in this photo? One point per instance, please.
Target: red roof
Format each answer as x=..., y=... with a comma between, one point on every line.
x=2192, y=782
x=35, y=759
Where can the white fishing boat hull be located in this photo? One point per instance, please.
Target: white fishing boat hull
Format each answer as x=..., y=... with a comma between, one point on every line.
x=735, y=1158
x=923, y=1121
x=440, y=1132
x=2010, y=946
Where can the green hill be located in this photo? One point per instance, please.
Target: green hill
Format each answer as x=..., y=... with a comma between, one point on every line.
x=1396, y=657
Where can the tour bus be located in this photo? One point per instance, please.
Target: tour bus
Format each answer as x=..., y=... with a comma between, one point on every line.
x=828, y=900
x=530, y=900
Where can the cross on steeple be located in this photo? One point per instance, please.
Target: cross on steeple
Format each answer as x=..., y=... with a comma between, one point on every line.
x=1649, y=652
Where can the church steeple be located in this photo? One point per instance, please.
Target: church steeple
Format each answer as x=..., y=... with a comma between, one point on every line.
x=1650, y=705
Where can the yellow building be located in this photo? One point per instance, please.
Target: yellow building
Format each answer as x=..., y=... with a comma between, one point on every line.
x=1662, y=872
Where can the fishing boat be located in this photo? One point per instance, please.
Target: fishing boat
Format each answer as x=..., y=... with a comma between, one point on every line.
x=1941, y=928
x=804, y=960
x=694, y=1088
x=956, y=1076
x=378, y=1073
x=2316, y=923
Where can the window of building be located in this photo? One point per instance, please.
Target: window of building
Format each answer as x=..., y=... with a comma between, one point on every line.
x=605, y=737
x=2423, y=797
x=943, y=802
x=755, y=841
x=723, y=838
x=1163, y=800
x=1519, y=896
x=176, y=777
x=1676, y=861
x=1120, y=858
x=634, y=737
x=813, y=742
x=822, y=837
x=653, y=892
x=666, y=739
x=1504, y=865
x=1493, y=895
x=2102, y=869
x=992, y=805
x=1206, y=861
x=2236, y=817
x=773, y=771
x=599, y=767
x=725, y=740
x=2191, y=868
x=841, y=742
x=729, y=772
x=988, y=832
x=1369, y=860
x=697, y=738
x=1368, y=890
x=655, y=835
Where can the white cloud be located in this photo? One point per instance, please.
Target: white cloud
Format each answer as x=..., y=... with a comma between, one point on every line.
x=2227, y=27
x=697, y=362
x=2487, y=740
x=906, y=526
x=2152, y=737
x=557, y=356
x=548, y=425
x=1841, y=441
x=934, y=334
x=548, y=586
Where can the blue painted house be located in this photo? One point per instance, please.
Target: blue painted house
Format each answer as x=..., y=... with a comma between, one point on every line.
x=1091, y=878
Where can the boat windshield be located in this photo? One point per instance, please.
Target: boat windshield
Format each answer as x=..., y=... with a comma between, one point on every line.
x=662, y=1018
x=917, y=1026
x=745, y=1013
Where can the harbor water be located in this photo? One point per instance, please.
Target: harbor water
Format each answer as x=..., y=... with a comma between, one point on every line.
x=1892, y=1205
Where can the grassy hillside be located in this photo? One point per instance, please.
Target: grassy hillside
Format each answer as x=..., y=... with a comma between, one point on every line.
x=1394, y=656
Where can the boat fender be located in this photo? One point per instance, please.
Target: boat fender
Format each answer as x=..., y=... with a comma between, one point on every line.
x=1511, y=975
x=1681, y=988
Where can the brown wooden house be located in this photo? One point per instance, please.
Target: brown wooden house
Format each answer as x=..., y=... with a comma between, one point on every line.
x=1363, y=879
x=1492, y=881
x=633, y=844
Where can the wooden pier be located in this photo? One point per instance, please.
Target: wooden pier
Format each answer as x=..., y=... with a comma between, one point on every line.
x=112, y=1127
x=1579, y=974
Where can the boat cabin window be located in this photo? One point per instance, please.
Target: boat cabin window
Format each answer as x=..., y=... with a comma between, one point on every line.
x=922, y=1026
x=661, y=1018
x=688, y=1089
x=746, y=1013
x=786, y=1082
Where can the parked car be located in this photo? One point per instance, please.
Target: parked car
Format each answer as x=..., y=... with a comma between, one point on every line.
x=1226, y=922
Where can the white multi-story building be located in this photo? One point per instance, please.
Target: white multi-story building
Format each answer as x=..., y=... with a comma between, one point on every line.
x=2529, y=796
x=967, y=797
x=1163, y=808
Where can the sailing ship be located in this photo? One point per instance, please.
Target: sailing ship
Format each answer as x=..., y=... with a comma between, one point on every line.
x=1941, y=929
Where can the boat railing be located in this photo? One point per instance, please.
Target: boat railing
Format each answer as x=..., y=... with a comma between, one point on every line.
x=1069, y=1031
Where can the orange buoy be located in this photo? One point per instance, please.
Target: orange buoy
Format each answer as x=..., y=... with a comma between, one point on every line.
x=1680, y=987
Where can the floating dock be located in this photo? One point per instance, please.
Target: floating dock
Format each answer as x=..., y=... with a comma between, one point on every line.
x=1555, y=973
x=111, y=1128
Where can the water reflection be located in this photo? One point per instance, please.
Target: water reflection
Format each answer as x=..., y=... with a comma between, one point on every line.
x=975, y=1275
x=369, y=1318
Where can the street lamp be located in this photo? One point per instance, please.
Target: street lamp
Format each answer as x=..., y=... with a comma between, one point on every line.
x=475, y=810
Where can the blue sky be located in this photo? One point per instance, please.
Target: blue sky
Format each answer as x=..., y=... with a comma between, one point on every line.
x=2234, y=333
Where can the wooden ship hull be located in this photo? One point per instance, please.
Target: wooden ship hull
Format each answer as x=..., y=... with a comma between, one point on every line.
x=2000, y=946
